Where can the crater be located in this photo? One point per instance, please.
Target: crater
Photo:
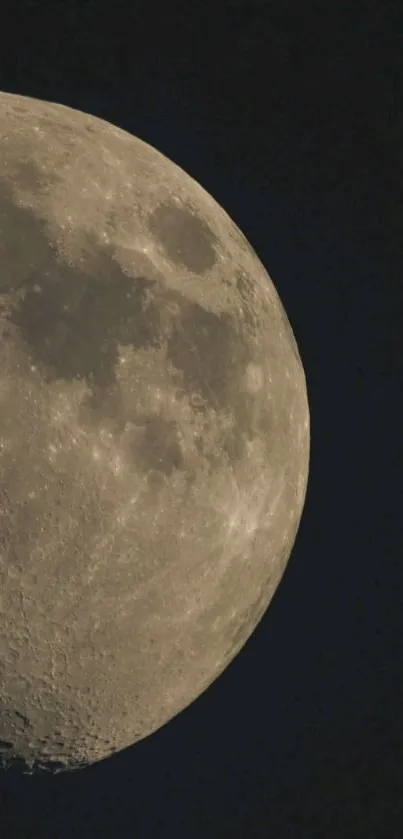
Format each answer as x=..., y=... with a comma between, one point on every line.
x=185, y=237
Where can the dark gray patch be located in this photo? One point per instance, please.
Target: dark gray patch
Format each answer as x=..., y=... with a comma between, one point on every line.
x=71, y=320
x=74, y=325
x=159, y=447
x=209, y=352
x=210, y=355
x=186, y=239
x=31, y=178
x=25, y=252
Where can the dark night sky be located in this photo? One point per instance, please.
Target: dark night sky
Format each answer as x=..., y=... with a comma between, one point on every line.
x=290, y=115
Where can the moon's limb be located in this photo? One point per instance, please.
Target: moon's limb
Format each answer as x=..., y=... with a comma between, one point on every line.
x=154, y=437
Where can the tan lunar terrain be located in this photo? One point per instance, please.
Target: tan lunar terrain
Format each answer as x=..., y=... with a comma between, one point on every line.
x=154, y=437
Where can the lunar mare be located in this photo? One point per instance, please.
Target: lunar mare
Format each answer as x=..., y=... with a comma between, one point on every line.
x=154, y=438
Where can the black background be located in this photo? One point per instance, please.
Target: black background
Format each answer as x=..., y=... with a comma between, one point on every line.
x=290, y=115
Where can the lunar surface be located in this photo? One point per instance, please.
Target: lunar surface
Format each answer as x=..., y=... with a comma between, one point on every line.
x=154, y=438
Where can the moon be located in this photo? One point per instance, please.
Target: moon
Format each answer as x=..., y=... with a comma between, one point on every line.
x=154, y=438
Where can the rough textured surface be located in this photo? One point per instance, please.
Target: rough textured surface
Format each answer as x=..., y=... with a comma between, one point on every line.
x=154, y=437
